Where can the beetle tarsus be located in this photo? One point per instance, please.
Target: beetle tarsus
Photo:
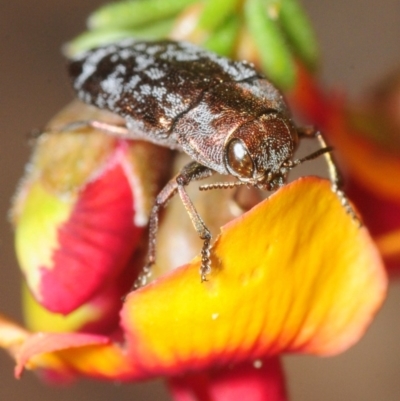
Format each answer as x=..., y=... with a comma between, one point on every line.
x=334, y=173
x=346, y=204
x=205, y=268
x=143, y=277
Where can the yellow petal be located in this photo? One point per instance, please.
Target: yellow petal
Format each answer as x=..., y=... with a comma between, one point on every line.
x=43, y=213
x=295, y=274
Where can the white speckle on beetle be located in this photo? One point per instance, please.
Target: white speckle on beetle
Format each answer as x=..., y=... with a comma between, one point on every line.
x=113, y=85
x=145, y=89
x=155, y=73
x=132, y=83
x=143, y=62
x=159, y=92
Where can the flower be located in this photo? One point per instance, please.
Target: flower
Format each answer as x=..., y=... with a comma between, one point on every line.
x=288, y=276
x=294, y=274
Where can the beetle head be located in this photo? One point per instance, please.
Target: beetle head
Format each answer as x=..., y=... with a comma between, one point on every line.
x=259, y=152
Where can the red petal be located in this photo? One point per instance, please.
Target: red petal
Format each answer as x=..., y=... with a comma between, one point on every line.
x=255, y=381
x=94, y=244
x=308, y=99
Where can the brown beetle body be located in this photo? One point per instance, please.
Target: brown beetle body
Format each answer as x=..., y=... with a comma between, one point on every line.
x=225, y=115
x=183, y=97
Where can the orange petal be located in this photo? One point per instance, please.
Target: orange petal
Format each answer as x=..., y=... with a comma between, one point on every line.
x=295, y=274
x=70, y=354
x=13, y=338
x=11, y=335
x=40, y=350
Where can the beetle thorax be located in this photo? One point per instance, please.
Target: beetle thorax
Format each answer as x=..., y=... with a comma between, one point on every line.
x=258, y=150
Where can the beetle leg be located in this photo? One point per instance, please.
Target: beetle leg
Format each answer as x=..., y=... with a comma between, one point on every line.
x=191, y=172
x=108, y=128
x=334, y=174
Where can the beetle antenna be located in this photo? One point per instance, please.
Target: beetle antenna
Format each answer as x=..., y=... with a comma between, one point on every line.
x=290, y=164
x=221, y=185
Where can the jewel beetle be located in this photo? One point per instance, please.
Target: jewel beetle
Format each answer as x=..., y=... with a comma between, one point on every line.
x=224, y=114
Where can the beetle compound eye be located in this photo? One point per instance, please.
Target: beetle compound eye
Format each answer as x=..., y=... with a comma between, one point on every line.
x=239, y=160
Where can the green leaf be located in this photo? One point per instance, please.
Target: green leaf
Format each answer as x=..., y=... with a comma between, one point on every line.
x=215, y=13
x=134, y=13
x=276, y=58
x=299, y=32
x=223, y=39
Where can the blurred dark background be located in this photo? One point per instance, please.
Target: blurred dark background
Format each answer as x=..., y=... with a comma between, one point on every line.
x=359, y=42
